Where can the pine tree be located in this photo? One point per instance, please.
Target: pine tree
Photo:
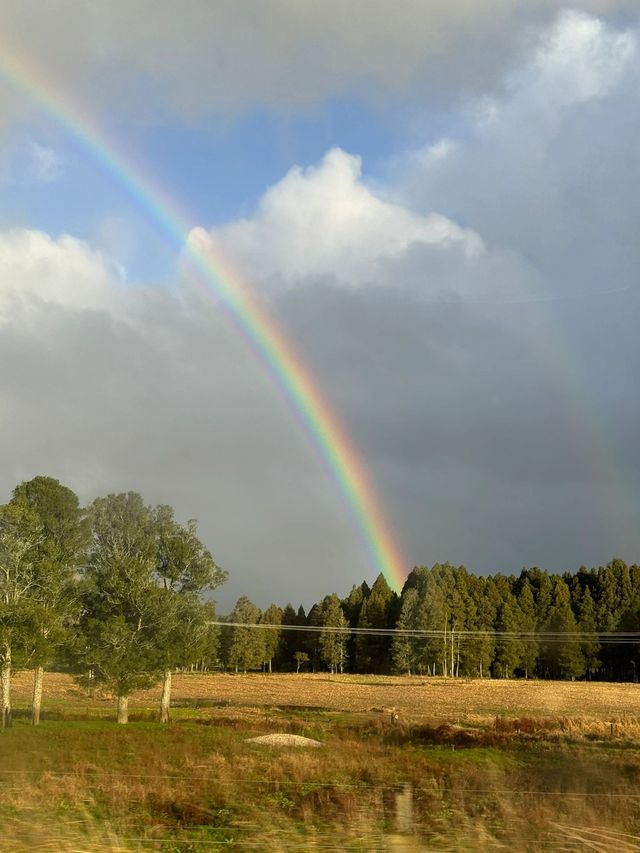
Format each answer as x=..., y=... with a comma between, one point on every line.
x=332, y=640
x=402, y=648
x=373, y=653
x=246, y=645
x=508, y=649
x=563, y=655
x=271, y=636
x=590, y=646
x=527, y=625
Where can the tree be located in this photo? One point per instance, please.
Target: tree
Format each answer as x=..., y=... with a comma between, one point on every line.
x=352, y=607
x=373, y=652
x=481, y=647
x=185, y=569
x=59, y=555
x=300, y=658
x=590, y=644
x=527, y=608
x=124, y=611
x=562, y=654
x=271, y=636
x=20, y=537
x=403, y=653
x=508, y=646
x=246, y=644
x=333, y=637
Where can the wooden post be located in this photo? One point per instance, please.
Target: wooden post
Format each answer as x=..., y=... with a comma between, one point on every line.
x=401, y=841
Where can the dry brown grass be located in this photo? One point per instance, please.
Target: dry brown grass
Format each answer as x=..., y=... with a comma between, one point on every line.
x=493, y=766
x=419, y=699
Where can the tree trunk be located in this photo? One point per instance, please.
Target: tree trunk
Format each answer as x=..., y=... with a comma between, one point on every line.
x=38, y=673
x=6, y=687
x=165, y=700
x=123, y=709
x=444, y=651
x=270, y=670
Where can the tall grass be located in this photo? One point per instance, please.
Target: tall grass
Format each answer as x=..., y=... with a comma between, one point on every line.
x=198, y=785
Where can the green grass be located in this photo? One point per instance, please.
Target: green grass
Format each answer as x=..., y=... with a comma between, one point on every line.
x=198, y=785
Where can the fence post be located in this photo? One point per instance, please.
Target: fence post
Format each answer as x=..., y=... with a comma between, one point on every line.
x=401, y=841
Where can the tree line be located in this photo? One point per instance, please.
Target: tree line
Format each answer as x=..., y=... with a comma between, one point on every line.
x=116, y=594
x=450, y=622
x=111, y=591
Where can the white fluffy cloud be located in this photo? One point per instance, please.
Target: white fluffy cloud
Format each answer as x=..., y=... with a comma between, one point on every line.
x=548, y=168
x=325, y=222
x=38, y=272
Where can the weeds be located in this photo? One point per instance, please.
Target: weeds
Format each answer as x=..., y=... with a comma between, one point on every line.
x=526, y=781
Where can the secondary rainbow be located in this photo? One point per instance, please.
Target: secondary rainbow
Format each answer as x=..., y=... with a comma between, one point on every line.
x=279, y=357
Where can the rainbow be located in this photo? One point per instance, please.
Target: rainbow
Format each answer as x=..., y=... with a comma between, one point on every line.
x=276, y=353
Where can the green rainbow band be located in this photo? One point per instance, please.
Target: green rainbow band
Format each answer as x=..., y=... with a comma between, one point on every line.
x=282, y=362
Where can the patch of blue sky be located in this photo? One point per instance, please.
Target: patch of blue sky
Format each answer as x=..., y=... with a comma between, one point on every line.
x=216, y=171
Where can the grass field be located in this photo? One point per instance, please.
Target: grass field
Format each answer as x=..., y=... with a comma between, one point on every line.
x=489, y=766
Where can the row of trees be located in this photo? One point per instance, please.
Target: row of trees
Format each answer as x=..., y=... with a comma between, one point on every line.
x=112, y=591
x=450, y=622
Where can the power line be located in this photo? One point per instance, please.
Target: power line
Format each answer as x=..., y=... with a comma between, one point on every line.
x=608, y=637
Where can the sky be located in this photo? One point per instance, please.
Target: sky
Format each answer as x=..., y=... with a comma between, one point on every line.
x=438, y=206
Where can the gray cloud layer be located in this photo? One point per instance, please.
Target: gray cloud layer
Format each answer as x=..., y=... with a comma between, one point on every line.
x=199, y=56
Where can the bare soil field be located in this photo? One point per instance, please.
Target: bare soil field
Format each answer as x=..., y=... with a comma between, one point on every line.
x=417, y=699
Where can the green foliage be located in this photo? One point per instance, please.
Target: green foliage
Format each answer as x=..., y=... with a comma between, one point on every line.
x=271, y=636
x=124, y=610
x=373, y=653
x=332, y=640
x=59, y=554
x=246, y=645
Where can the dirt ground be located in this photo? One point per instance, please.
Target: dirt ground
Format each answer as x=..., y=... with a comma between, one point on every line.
x=455, y=700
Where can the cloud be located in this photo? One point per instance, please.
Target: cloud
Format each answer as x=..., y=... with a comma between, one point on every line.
x=200, y=57
x=38, y=272
x=459, y=318
x=324, y=222
x=112, y=386
x=46, y=165
x=548, y=168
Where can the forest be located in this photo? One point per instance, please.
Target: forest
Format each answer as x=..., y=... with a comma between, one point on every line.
x=119, y=594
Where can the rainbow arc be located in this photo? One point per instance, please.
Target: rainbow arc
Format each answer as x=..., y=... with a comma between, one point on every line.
x=283, y=363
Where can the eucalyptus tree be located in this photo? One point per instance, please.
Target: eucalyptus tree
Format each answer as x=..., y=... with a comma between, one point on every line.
x=185, y=569
x=59, y=555
x=123, y=607
x=20, y=538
